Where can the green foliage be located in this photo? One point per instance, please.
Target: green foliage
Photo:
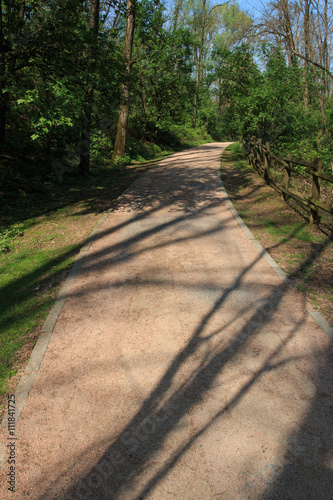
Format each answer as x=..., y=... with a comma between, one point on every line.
x=187, y=136
x=51, y=108
x=162, y=78
x=263, y=102
x=101, y=147
x=232, y=25
x=121, y=162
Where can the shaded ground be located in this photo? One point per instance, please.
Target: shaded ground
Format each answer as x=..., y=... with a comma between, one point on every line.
x=181, y=365
x=284, y=233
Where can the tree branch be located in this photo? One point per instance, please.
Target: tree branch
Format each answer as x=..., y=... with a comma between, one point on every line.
x=218, y=5
x=307, y=59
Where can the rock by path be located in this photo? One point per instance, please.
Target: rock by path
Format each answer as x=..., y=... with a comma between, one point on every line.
x=181, y=366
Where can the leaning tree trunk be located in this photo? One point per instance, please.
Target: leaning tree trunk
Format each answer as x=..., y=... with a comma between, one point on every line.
x=119, y=147
x=84, y=165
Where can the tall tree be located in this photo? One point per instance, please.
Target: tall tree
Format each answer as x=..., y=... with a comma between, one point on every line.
x=198, y=65
x=3, y=100
x=163, y=87
x=120, y=143
x=306, y=27
x=213, y=21
x=12, y=15
x=89, y=91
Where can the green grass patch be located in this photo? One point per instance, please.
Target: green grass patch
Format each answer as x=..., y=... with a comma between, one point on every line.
x=26, y=298
x=237, y=151
x=238, y=156
x=297, y=230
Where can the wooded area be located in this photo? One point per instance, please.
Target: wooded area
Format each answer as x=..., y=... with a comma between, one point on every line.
x=85, y=83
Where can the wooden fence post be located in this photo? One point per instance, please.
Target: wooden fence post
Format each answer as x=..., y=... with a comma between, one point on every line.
x=287, y=175
x=314, y=213
x=253, y=156
x=259, y=142
x=247, y=150
x=267, y=162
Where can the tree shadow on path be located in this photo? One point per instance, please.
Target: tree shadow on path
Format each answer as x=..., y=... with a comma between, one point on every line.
x=131, y=467
x=129, y=457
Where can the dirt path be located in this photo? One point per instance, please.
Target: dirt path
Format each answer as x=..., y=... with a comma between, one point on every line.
x=181, y=366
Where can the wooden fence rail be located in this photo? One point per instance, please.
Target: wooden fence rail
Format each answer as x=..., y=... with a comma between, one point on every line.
x=261, y=158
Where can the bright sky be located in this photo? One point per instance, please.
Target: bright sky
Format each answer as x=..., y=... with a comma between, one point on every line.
x=253, y=6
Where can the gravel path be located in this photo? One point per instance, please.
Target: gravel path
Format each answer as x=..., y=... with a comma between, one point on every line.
x=181, y=366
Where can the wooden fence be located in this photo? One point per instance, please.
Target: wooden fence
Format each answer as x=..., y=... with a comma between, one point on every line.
x=261, y=158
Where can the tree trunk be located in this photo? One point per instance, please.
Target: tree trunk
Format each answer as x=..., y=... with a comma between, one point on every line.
x=288, y=29
x=21, y=16
x=3, y=116
x=3, y=100
x=120, y=143
x=84, y=165
x=325, y=48
x=198, y=69
x=176, y=14
x=306, y=50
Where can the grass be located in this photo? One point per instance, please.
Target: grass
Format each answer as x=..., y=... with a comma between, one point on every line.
x=283, y=231
x=27, y=294
x=304, y=253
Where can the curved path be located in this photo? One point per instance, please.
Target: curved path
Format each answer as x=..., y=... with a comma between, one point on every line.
x=181, y=366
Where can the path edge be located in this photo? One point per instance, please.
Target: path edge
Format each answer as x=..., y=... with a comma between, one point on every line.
x=37, y=355
x=316, y=316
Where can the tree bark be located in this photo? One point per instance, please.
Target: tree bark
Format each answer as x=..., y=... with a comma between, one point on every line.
x=198, y=68
x=84, y=165
x=176, y=14
x=288, y=29
x=306, y=50
x=325, y=47
x=7, y=64
x=120, y=143
x=3, y=103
